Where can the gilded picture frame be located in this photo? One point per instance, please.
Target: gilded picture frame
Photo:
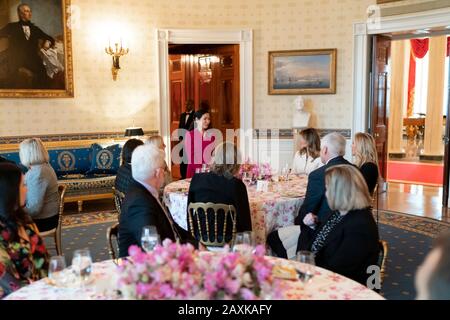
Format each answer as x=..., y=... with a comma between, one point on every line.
x=302, y=71
x=35, y=49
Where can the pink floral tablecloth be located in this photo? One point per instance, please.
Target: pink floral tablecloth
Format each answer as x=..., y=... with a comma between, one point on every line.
x=269, y=210
x=325, y=285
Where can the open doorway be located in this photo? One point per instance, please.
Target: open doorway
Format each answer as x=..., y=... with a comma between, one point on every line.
x=408, y=112
x=205, y=76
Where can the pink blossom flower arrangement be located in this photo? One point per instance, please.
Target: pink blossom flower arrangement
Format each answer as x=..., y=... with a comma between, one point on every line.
x=257, y=171
x=175, y=271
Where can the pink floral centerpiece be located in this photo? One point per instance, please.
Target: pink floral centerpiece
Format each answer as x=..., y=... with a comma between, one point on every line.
x=261, y=171
x=175, y=271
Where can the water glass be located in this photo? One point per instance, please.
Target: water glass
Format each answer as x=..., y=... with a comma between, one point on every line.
x=56, y=267
x=149, y=238
x=243, y=241
x=307, y=266
x=246, y=178
x=82, y=265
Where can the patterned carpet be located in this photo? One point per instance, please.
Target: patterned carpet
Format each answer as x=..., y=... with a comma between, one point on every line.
x=410, y=238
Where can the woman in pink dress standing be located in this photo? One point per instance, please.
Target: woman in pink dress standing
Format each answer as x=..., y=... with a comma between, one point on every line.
x=197, y=141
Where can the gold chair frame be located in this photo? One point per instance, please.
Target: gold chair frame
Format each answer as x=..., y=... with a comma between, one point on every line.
x=215, y=207
x=56, y=232
x=111, y=233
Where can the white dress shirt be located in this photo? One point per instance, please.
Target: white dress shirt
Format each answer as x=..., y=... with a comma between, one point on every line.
x=27, y=31
x=304, y=164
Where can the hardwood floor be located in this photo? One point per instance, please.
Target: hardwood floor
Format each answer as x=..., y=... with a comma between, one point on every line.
x=425, y=201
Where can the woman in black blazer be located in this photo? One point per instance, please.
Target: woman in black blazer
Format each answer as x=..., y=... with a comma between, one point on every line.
x=347, y=243
x=221, y=186
x=366, y=159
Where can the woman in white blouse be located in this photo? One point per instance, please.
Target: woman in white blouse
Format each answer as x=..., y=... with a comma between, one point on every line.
x=307, y=157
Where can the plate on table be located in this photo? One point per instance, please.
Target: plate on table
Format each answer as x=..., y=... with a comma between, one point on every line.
x=284, y=272
x=290, y=194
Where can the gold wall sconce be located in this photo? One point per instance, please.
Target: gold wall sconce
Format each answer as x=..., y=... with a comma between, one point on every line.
x=116, y=53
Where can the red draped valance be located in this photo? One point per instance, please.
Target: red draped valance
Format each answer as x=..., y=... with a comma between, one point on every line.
x=419, y=47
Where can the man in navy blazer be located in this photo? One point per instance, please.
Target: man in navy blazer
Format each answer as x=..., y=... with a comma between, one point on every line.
x=24, y=41
x=315, y=209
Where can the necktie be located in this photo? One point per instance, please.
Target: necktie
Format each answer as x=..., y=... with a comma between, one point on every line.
x=169, y=217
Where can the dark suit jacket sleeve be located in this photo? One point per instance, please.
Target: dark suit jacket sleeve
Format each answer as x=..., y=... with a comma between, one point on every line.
x=42, y=35
x=139, y=215
x=349, y=255
x=182, y=121
x=315, y=191
x=244, y=220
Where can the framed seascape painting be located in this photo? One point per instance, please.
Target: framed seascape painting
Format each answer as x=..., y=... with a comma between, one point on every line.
x=35, y=49
x=302, y=71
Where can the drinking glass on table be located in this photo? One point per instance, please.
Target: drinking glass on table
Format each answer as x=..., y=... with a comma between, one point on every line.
x=56, y=267
x=243, y=241
x=247, y=179
x=82, y=265
x=307, y=266
x=149, y=238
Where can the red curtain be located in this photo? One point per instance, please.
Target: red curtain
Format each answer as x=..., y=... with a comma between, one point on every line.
x=419, y=48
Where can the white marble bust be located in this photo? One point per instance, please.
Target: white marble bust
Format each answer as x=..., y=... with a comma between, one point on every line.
x=301, y=117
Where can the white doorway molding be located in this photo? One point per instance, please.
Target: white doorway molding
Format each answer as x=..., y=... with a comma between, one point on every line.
x=242, y=37
x=362, y=33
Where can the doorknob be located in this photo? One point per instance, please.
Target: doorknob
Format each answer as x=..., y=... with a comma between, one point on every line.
x=376, y=135
x=445, y=139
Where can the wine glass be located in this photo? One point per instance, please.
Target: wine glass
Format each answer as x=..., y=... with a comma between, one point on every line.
x=82, y=265
x=243, y=242
x=55, y=270
x=149, y=238
x=246, y=178
x=307, y=266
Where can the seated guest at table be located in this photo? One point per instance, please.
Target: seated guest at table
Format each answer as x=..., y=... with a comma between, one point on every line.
x=365, y=158
x=141, y=206
x=433, y=276
x=42, y=197
x=221, y=186
x=347, y=242
x=159, y=143
x=197, y=141
x=123, y=176
x=314, y=209
x=307, y=157
x=23, y=257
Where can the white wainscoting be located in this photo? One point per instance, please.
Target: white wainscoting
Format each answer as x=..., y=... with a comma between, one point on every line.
x=279, y=152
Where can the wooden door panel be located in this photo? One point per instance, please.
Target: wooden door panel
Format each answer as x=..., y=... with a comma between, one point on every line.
x=380, y=101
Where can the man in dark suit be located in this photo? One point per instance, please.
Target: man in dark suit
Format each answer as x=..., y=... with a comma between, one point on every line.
x=24, y=44
x=141, y=206
x=186, y=120
x=315, y=209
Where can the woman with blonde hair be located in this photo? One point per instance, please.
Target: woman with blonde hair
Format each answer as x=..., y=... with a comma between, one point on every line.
x=307, y=157
x=366, y=159
x=347, y=242
x=42, y=202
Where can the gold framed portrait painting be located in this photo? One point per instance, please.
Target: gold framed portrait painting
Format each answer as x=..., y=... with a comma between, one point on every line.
x=302, y=71
x=35, y=49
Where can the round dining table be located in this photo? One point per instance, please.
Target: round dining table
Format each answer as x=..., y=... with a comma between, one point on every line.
x=270, y=209
x=324, y=285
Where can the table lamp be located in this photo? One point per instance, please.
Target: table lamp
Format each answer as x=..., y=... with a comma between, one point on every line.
x=134, y=131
